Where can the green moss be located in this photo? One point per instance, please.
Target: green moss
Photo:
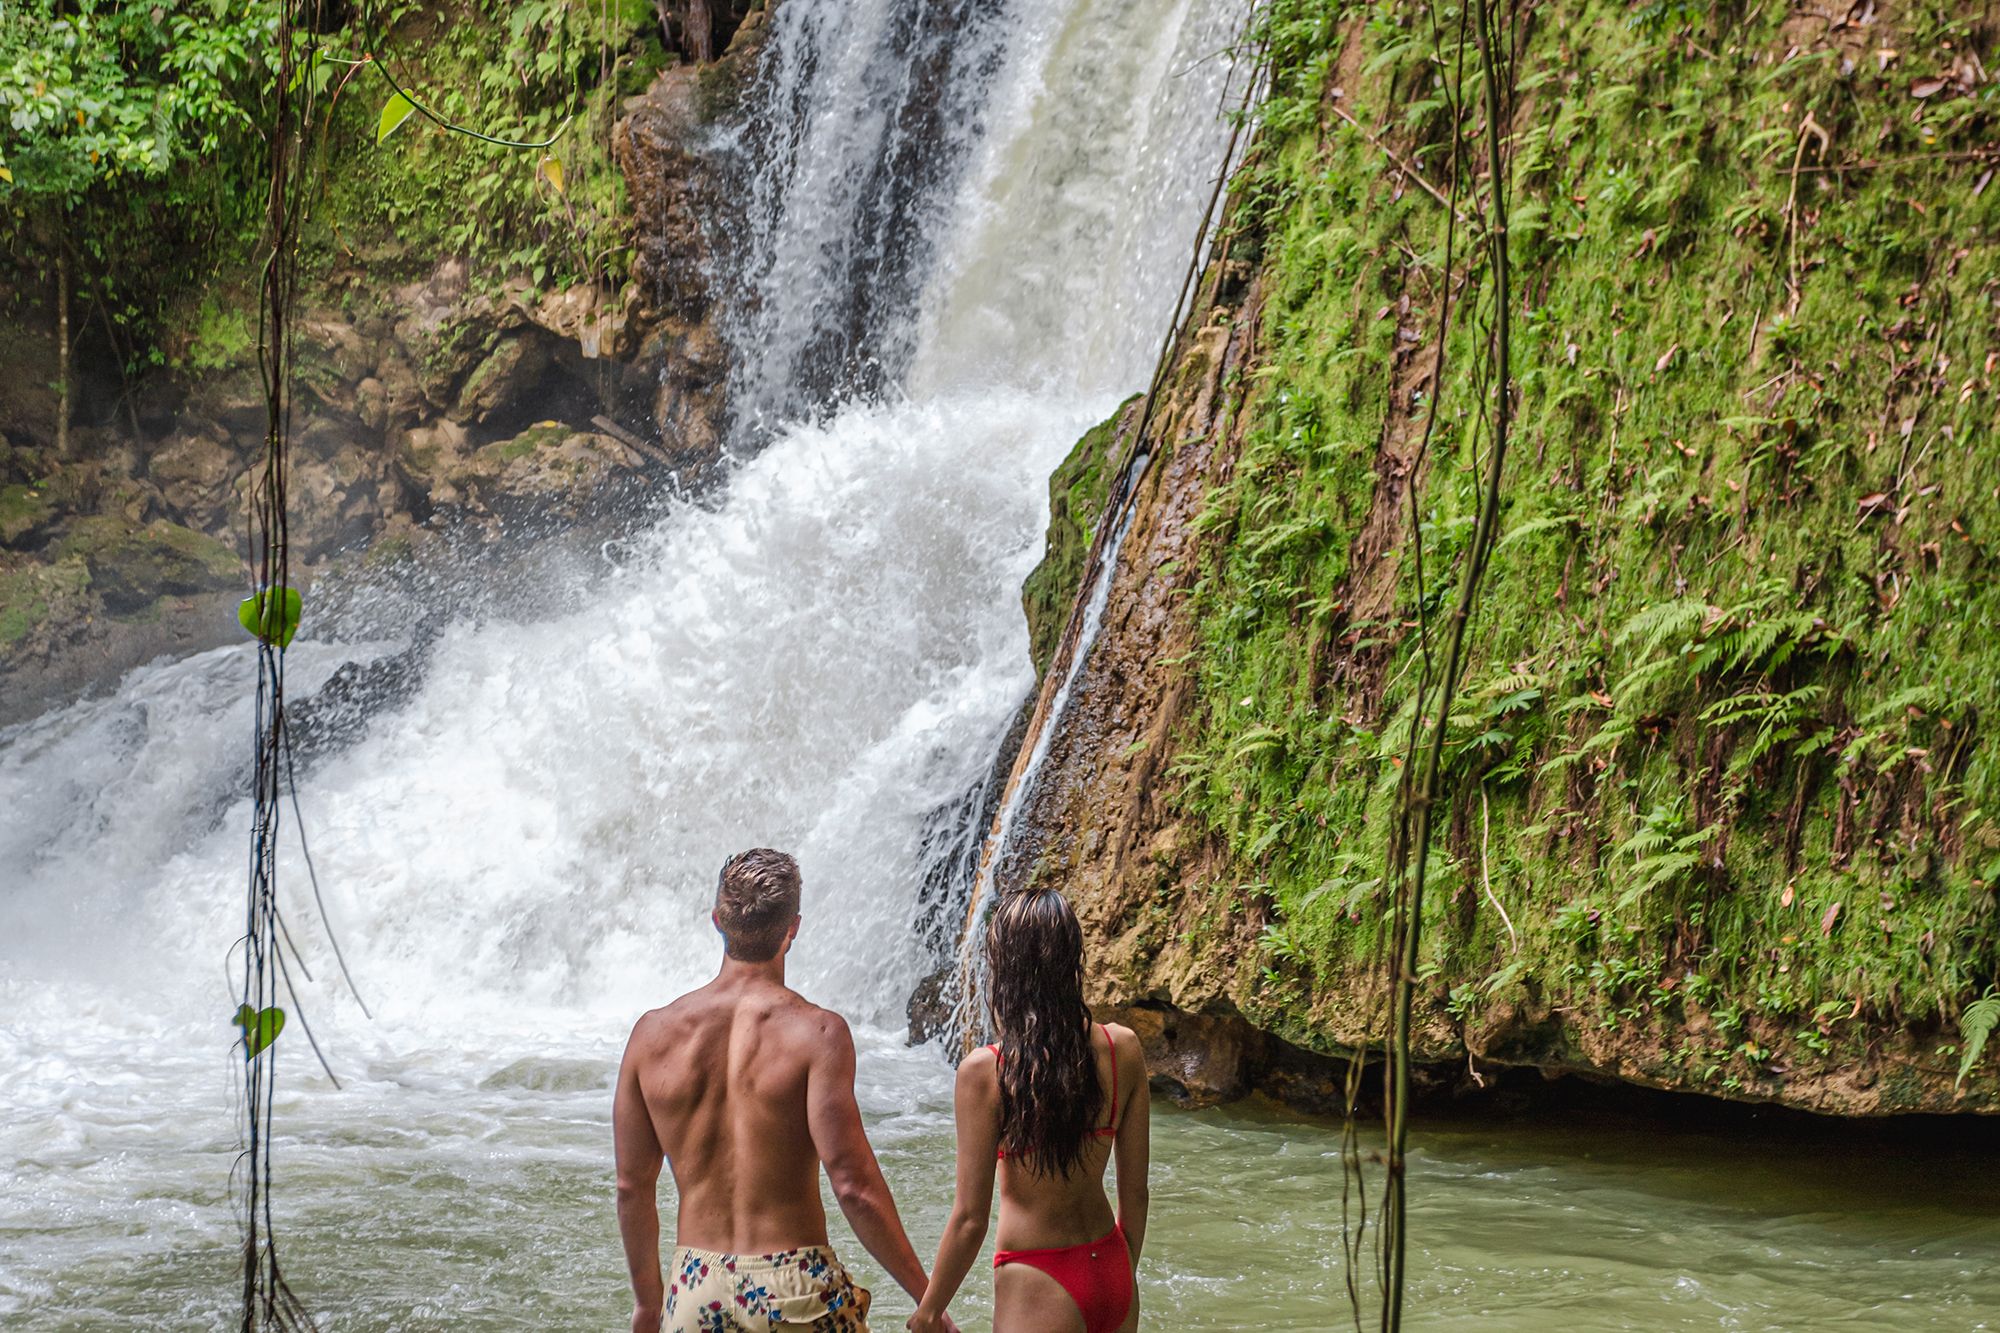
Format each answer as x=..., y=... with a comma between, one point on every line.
x=28, y=593
x=130, y=566
x=22, y=510
x=1724, y=743
x=541, y=435
x=1077, y=492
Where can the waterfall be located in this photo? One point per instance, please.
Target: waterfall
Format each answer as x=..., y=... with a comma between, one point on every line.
x=971, y=225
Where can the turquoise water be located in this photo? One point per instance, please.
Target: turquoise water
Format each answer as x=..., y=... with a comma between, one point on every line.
x=440, y=1192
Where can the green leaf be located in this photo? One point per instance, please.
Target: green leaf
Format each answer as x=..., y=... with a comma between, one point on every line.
x=1532, y=527
x=394, y=112
x=272, y=619
x=260, y=1028
x=1975, y=1025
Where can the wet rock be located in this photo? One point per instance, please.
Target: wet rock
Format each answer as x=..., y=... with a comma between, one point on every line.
x=24, y=511
x=506, y=373
x=690, y=404
x=196, y=471
x=131, y=566
x=41, y=604
x=659, y=148
x=1198, y=1059
x=335, y=501
x=340, y=345
x=546, y=471
x=371, y=404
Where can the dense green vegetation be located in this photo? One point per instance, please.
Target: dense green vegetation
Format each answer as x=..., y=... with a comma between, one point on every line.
x=1722, y=744
x=1078, y=490
x=132, y=142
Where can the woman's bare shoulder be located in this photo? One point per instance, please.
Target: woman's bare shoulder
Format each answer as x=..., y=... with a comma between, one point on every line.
x=1123, y=1039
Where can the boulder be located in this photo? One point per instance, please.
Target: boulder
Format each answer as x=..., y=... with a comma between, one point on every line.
x=41, y=606
x=24, y=511
x=503, y=376
x=548, y=470
x=130, y=565
x=196, y=471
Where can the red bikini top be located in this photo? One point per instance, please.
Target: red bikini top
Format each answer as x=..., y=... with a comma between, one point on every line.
x=1102, y=1131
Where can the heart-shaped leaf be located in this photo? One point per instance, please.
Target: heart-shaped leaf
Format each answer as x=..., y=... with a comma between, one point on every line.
x=272, y=615
x=552, y=171
x=260, y=1028
x=394, y=112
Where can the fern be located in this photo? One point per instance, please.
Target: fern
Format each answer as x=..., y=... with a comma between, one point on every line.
x=1975, y=1025
x=1533, y=526
x=1661, y=621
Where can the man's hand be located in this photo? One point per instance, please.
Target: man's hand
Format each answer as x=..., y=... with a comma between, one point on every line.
x=645, y=1320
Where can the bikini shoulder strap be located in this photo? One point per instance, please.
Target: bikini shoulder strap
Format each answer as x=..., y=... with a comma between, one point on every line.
x=1114, y=1073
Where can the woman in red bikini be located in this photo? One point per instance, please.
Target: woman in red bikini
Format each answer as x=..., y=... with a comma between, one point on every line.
x=1046, y=1109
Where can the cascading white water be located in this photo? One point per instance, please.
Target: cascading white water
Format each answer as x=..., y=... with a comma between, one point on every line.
x=519, y=858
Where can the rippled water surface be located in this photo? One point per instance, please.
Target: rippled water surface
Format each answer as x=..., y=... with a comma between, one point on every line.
x=440, y=1191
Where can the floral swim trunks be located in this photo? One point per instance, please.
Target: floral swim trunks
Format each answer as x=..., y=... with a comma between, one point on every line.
x=757, y=1293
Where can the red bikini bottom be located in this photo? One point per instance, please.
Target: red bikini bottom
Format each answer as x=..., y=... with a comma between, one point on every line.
x=1097, y=1276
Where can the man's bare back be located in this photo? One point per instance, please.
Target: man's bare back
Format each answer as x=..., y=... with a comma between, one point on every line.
x=746, y=1090
x=727, y=1076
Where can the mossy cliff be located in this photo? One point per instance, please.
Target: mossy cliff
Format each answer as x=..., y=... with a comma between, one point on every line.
x=1722, y=784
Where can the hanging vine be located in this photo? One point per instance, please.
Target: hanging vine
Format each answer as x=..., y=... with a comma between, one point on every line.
x=1407, y=872
x=272, y=615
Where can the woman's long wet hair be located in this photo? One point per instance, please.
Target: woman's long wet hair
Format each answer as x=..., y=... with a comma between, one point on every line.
x=1050, y=1099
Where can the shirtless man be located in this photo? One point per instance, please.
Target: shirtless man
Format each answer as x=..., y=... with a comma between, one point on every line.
x=746, y=1089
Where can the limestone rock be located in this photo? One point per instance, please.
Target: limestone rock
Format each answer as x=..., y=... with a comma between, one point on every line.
x=130, y=566
x=23, y=511
x=548, y=470
x=504, y=375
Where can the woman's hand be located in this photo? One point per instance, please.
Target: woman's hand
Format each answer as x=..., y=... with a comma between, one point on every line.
x=645, y=1319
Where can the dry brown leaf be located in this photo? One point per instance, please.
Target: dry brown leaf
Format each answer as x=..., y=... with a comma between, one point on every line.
x=1826, y=922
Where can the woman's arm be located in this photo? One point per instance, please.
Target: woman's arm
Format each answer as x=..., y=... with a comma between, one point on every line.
x=1133, y=1148
x=976, y=1106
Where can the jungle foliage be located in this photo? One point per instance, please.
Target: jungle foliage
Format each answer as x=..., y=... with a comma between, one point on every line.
x=131, y=139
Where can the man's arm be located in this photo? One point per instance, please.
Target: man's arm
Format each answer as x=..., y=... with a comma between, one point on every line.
x=639, y=1158
x=842, y=1144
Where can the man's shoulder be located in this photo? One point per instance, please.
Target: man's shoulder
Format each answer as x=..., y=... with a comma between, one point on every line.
x=670, y=1019
x=811, y=1022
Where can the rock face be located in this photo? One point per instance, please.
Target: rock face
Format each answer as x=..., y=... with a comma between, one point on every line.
x=1215, y=796
x=1175, y=944
x=433, y=406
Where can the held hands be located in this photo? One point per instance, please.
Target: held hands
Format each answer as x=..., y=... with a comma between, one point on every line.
x=645, y=1320
x=931, y=1323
